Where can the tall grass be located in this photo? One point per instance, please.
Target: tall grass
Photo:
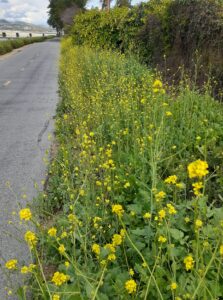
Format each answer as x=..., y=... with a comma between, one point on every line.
x=119, y=227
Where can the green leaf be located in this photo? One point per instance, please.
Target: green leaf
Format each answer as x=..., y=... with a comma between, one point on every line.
x=176, y=234
x=135, y=207
x=139, y=232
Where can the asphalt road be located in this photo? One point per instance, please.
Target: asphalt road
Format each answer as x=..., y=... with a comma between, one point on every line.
x=28, y=98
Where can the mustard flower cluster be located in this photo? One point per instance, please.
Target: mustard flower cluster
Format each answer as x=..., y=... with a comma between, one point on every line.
x=60, y=278
x=198, y=169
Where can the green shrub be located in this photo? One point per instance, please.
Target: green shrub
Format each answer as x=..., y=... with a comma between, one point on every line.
x=17, y=43
x=118, y=28
x=5, y=47
x=109, y=30
x=9, y=45
x=188, y=33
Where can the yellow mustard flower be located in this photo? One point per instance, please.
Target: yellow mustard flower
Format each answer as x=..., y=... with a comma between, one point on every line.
x=171, y=179
x=30, y=238
x=82, y=192
x=173, y=286
x=171, y=209
x=160, y=196
x=67, y=264
x=198, y=223
x=52, y=232
x=98, y=183
x=110, y=247
x=25, y=214
x=189, y=262
x=131, y=286
x=103, y=262
x=96, y=220
x=122, y=232
x=162, y=239
x=198, y=168
x=24, y=270
x=72, y=218
x=168, y=113
x=131, y=272
x=126, y=185
x=180, y=185
x=116, y=240
x=187, y=219
x=32, y=267
x=221, y=250
x=197, y=186
x=157, y=84
x=60, y=278
x=147, y=215
x=111, y=257
x=96, y=249
x=161, y=214
x=56, y=297
x=62, y=249
x=118, y=210
x=11, y=264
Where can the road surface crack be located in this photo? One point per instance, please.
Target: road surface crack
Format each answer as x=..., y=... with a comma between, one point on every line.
x=40, y=135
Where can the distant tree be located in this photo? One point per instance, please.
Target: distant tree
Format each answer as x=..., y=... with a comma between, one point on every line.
x=54, y=16
x=123, y=3
x=56, y=9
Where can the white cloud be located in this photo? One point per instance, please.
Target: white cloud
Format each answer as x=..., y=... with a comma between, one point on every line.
x=31, y=11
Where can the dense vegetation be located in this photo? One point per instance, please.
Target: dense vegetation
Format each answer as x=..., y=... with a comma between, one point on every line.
x=167, y=34
x=9, y=45
x=133, y=204
x=57, y=9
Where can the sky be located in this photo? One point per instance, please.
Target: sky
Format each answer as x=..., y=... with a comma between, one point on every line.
x=30, y=11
